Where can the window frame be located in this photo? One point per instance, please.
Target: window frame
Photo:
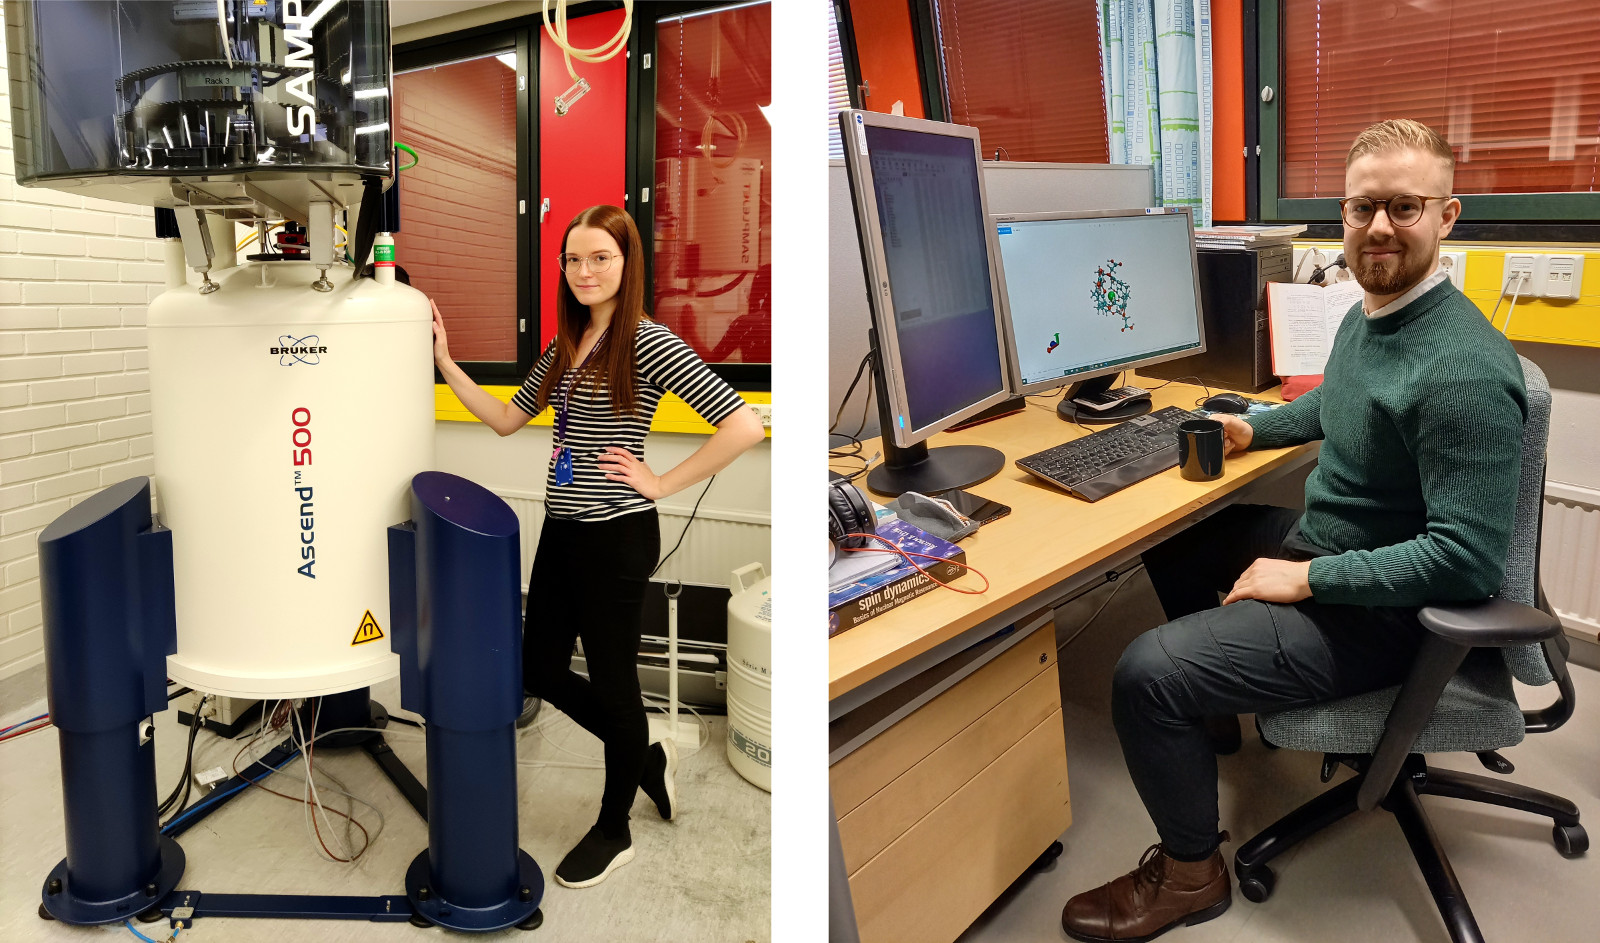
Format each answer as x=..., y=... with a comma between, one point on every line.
x=925, y=33
x=1491, y=217
x=847, y=45
x=496, y=39
x=641, y=146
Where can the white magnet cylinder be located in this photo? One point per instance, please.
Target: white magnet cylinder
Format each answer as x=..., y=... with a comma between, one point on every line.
x=288, y=424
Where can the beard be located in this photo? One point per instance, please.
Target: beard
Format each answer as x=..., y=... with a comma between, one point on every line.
x=1392, y=276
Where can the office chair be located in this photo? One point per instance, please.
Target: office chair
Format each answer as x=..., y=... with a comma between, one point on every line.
x=1457, y=697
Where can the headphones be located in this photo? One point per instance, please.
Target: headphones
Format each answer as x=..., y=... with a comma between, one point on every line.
x=849, y=512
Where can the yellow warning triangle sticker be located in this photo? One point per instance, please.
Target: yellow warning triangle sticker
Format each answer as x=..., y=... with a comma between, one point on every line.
x=369, y=631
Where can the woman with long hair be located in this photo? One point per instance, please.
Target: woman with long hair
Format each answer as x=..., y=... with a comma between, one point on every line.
x=603, y=376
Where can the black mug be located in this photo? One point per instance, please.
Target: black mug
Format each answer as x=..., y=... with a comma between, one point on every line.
x=1200, y=449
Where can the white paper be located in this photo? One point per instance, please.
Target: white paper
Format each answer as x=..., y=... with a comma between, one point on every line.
x=1299, y=327
x=1304, y=320
x=1336, y=301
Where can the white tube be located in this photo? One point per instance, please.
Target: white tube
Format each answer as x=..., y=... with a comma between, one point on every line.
x=172, y=255
x=672, y=666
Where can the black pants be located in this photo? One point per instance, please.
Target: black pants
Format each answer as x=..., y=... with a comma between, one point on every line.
x=1241, y=658
x=589, y=581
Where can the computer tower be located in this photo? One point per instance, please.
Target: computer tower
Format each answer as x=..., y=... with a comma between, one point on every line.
x=1233, y=299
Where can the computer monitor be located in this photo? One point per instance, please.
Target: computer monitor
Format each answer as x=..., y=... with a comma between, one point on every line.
x=1089, y=295
x=928, y=255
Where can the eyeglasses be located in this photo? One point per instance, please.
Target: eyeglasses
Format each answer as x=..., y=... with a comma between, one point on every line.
x=598, y=262
x=1403, y=210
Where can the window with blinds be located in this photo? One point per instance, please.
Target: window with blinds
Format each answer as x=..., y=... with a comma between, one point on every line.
x=838, y=85
x=1517, y=94
x=1026, y=74
x=458, y=240
x=713, y=181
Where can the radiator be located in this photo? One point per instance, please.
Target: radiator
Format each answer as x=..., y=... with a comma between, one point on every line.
x=1569, y=556
x=720, y=541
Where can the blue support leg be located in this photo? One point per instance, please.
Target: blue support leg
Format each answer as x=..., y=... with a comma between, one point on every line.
x=455, y=604
x=105, y=573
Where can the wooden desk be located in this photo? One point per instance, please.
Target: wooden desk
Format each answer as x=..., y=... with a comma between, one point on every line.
x=939, y=655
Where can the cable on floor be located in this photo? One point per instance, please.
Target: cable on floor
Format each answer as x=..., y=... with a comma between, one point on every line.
x=25, y=723
x=134, y=930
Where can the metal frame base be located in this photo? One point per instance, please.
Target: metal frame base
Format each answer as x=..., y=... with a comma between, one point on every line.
x=1403, y=801
x=63, y=905
x=515, y=912
x=390, y=908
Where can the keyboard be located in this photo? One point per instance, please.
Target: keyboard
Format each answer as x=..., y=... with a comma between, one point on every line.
x=1109, y=460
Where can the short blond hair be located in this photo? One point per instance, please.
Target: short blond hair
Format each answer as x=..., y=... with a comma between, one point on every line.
x=1398, y=133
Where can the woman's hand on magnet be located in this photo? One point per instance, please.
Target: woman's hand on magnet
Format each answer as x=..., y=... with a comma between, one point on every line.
x=619, y=465
x=441, y=343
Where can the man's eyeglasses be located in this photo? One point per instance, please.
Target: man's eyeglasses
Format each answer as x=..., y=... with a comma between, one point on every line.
x=598, y=262
x=1403, y=210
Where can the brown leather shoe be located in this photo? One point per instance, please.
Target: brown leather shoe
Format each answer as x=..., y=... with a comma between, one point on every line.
x=1151, y=899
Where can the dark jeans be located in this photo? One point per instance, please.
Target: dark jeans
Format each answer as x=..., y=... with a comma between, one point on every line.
x=1241, y=658
x=589, y=581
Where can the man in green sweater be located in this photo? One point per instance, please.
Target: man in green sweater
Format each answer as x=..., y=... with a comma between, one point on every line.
x=1420, y=415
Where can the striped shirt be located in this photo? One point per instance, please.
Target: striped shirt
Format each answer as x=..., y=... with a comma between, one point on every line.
x=662, y=364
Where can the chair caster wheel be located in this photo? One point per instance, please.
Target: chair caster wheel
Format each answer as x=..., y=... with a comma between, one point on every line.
x=534, y=921
x=1256, y=884
x=44, y=914
x=1264, y=741
x=1047, y=857
x=1571, y=840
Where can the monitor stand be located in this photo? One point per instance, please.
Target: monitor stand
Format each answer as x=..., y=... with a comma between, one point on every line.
x=1072, y=412
x=945, y=468
x=919, y=468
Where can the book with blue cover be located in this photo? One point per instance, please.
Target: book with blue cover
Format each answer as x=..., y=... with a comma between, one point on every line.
x=875, y=594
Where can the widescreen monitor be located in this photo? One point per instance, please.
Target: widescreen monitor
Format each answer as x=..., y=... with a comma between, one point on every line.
x=927, y=253
x=1089, y=295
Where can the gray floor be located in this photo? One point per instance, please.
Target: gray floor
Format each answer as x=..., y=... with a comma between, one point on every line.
x=705, y=876
x=1356, y=881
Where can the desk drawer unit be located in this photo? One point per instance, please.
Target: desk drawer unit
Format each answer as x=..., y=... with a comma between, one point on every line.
x=940, y=813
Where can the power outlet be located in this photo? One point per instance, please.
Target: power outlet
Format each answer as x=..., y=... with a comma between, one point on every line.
x=764, y=412
x=1520, y=274
x=1454, y=265
x=1563, y=276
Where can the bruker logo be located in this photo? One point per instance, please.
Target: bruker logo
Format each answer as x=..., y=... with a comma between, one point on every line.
x=293, y=350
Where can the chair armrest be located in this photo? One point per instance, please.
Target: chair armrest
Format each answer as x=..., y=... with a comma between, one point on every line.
x=1491, y=623
x=1453, y=630
x=1436, y=662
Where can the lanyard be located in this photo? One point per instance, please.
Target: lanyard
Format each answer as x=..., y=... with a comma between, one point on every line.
x=562, y=455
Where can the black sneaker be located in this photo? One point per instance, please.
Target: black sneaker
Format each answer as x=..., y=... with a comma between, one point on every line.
x=593, y=859
x=660, y=769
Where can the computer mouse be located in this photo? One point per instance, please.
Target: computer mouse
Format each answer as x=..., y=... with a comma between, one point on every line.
x=1226, y=403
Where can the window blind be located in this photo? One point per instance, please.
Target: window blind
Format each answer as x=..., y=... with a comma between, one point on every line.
x=1514, y=89
x=1026, y=74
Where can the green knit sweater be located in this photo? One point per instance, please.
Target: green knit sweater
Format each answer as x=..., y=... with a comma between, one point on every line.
x=1420, y=415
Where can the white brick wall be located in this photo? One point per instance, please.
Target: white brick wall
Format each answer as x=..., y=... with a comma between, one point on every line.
x=76, y=275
